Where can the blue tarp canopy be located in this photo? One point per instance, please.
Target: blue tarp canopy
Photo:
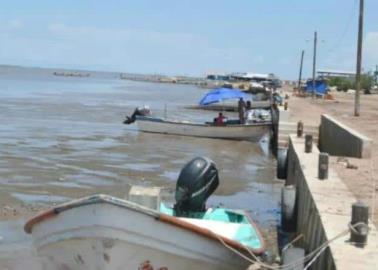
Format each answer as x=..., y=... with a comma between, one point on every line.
x=320, y=87
x=221, y=94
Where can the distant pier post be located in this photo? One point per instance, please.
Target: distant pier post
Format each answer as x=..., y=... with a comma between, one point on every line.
x=299, y=129
x=308, y=143
x=323, y=166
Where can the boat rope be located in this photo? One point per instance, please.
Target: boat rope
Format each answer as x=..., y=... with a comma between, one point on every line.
x=315, y=258
x=311, y=257
x=292, y=242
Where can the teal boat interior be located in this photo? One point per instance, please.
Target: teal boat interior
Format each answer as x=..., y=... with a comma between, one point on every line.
x=243, y=230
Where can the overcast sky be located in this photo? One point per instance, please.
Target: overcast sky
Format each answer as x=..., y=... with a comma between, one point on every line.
x=186, y=37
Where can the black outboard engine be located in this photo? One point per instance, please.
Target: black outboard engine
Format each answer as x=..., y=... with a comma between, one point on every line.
x=197, y=181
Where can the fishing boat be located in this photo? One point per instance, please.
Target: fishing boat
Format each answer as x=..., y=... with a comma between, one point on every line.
x=230, y=130
x=103, y=232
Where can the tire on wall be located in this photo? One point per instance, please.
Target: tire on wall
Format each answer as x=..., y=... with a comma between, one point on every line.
x=282, y=163
x=288, y=209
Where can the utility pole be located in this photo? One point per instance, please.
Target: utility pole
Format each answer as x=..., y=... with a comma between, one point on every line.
x=359, y=60
x=300, y=71
x=314, y=64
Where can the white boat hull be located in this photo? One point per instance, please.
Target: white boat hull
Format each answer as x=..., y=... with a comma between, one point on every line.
x=104, y=236
x=252, y=132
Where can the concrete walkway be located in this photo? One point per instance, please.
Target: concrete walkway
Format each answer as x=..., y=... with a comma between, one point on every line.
x=324, y=212
x=362, y=177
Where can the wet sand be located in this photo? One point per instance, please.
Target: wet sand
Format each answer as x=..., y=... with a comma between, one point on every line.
x=63, y=138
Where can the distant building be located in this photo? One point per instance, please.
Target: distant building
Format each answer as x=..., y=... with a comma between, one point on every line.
x=335, y=73
x=217, y=77
x=266, y=80
x=256, y=77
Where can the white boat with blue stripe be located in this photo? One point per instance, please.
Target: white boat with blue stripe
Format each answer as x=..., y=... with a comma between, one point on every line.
x=231, y=129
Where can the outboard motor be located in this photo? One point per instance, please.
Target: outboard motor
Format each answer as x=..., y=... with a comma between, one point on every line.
x=197, y=181
x=142, y=111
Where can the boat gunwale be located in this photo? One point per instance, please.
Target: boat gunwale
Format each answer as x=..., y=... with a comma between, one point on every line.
x=101, y=198
x=163, y=121
x=94, y=199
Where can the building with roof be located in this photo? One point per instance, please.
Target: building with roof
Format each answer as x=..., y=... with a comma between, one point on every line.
x=335, y=73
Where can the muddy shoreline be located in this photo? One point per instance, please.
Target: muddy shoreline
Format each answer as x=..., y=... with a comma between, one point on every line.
x=62, y=138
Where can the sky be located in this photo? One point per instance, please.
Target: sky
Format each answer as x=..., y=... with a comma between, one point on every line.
x=186, y=37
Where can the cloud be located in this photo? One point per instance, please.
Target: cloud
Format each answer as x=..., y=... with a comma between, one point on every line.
x=127, y=49
x=344, y=58
x=57, y=27
x=371, y=49
x=11, y=25
x=135, y=50
x=15, y=24
x=89, y=32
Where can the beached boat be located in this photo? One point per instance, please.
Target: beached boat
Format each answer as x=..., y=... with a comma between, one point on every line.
x=103, y=232
x=231, y=130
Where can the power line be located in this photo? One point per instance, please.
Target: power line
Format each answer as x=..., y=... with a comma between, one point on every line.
x=352, y=15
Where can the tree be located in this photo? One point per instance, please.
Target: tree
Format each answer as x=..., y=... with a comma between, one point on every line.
x=344, y=84
x=367, y=82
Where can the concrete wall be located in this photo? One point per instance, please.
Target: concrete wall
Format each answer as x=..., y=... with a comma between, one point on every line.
x=324, y=211
x=284, y=115
x=339, y=140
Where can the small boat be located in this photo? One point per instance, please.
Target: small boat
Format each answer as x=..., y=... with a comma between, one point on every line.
x=231, y=130
x=106, y=233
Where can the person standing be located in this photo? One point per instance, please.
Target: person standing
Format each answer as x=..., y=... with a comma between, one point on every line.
x=241, y=110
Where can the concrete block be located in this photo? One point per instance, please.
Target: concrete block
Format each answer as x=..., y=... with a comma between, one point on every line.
x=295, y=257
x=146, y=196
x=339, y=140
x=284, y=114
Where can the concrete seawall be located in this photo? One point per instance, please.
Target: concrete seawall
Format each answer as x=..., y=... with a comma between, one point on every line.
x=324, y=211
x=339, y=140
